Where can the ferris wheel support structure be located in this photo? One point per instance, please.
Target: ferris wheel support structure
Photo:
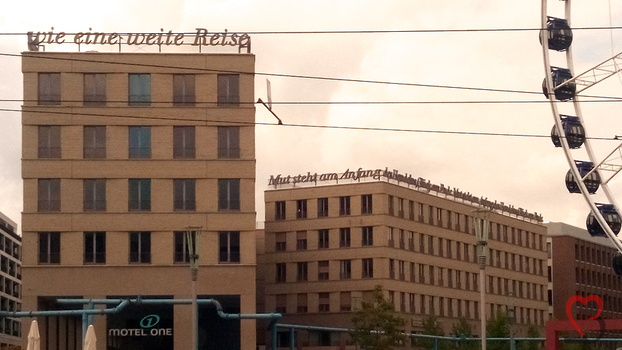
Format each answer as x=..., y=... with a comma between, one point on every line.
x=560, y=89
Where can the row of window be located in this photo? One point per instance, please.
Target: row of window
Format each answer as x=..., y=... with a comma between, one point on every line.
x=139, y=194
x=612, y=306
x=139, y=141
x=597, y=279
x=10, y=287
x=94, y=248
x=183, y=89
x=427, y=244
x=10, y=267
x=10, y=247
x=436, y=216
x=403, y=302
x=594, y=254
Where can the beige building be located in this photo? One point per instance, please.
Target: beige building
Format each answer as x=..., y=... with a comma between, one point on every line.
x=10, y=282
x=121, y=153
x=327, y=245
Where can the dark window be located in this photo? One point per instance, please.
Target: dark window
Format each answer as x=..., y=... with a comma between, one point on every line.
x=49, y=89
x=184, y=194
x=49, y=141
x=368, y=268
x=281, y=242
x=322, y=239
x=344, y=205
x=345, y=269
x=184, y=144
x=139, y=193
x=94, y=247
x=344, y=237
x=228, y=142
x=94, y=142
x=301, y=209
x=49, y=247
x=183, y=90
x=229, y=90
x=279, y=213
x=366, y=204
x=140, y=141
x=94, y=195
x=95, y=89
x=301, y=240
x=368, y=235
x=139, y=89
x=49, y=195
x=140, y=247
x=228, y=194
x=281, y=272
x=229, y=246
x=302, y=271
x=180, y=254
x=322, y=207
x=323, y=272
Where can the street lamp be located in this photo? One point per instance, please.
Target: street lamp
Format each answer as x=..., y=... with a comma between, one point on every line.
x=192, y=243
x=482, y=229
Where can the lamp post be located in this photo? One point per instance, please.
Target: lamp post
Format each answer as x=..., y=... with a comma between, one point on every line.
x=482, y=229
x=192, y=243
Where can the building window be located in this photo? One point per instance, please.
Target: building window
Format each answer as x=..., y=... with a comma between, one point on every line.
x=322, y=270
x=322, y=240
x=345, y=269
x=140, y=142
x=94, y=194
x=180, y=254
x=94, y=247
x=368, y=268
x=344, y=205
x=345, y=301
x=229, y=90
x=229, y=142
x=324, y=302
x=301, y=209
x=229, y=247
x=302, y=270
x=140, y=247
x=139, y=194
x=302, y=303
x=184, y=142
x=281, y=242
x=184, y=194
x=281, y=272
x=49, y=195
x=368, y=236
x=229, y=194
x=344, y=237
x=94, y=142
x=139, y=90
x=94, y=89
x=49, y=89
x=366, y=204
x=183, y=90
x=391, y=205
x=279, y=212
x=49, y=141
x=49, y=247
x=322, y=207
x=301, y=240
x=281, y=306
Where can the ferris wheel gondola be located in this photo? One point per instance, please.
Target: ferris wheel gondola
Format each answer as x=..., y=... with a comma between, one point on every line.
x=563, y=87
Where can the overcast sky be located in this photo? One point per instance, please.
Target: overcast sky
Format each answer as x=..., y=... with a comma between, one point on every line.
x=526, y=172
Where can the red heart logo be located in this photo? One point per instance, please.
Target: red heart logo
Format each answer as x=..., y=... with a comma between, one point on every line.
x=584, y=300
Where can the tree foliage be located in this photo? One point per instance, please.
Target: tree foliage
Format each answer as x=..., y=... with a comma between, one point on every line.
x=463, y=329
x=375, y=324
x=498, y=327
x=431, y=326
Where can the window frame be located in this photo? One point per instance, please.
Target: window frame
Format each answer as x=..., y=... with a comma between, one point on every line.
x=142, y=202
x=184, y=142
x=228, y=90
x=140, y=247
x=49, y=195
x=229, y=247
x=94, y=195
x=229, y=195
x=184, y=90
x=94, y=247
x=94, y=89
x=184, y=195
x=139, y=89
x=49, y=248
x=139, y=142
x=49, y=141
x=94, y=142
x=49, y=89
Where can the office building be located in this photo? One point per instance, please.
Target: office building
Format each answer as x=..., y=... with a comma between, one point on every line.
x=331, y=238
x=123, y=154
x=581, y=265
x=10, y=282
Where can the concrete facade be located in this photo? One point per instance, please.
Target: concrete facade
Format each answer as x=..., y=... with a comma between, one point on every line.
x=10, y=282
x=58, y=261
x=322, y=258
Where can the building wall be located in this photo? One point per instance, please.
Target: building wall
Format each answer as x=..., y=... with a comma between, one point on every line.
x=414, y=252
x=117, y=276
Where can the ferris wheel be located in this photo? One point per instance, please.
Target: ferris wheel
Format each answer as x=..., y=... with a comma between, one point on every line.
x=589, y=174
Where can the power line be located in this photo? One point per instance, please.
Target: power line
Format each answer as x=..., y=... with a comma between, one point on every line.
x=317, y=126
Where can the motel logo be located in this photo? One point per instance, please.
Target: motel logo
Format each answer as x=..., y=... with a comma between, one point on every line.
x=147, y=328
